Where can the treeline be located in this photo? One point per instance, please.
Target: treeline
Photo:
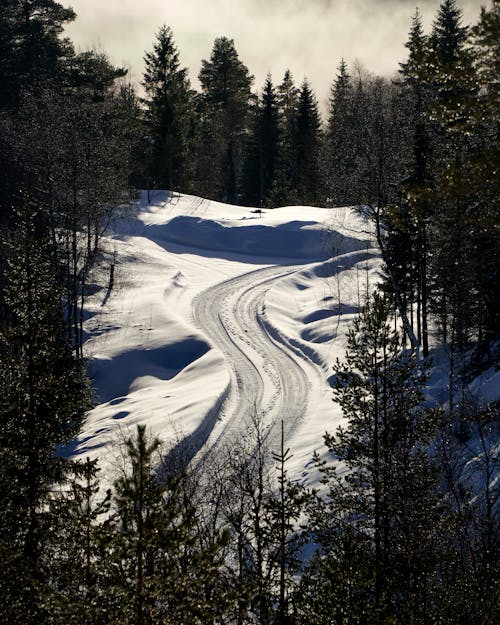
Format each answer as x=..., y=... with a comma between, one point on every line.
x=396, y=533
x=418, y=151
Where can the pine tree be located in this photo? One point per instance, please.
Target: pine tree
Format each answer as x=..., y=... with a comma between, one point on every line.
x=285, y=183
x=381, y=501
x=158, y=570
x=32, y=51
x=307, y=147
x=44, y=396
x=262, y=149
x=339, y=149
x=226, y=83
x=90, y=74
x=168, y=104
x=75, y=574
x=285, y=510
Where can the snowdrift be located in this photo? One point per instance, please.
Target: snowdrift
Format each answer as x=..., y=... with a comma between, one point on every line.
x=283, y=286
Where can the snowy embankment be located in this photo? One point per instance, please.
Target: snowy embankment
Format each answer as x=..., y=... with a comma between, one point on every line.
x=217, y=313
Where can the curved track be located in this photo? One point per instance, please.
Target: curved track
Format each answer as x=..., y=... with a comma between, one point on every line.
x=266, y=377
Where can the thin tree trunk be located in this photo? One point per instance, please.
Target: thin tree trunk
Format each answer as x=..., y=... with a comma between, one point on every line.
x=425, y=333
x=395, y=286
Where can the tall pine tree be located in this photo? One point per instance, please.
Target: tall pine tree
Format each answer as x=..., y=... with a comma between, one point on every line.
x=226, y=97
x=44, y=396
x=168, y=109
x=262, y=149
x=307, y=147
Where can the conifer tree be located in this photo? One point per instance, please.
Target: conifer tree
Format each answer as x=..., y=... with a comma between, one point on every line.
x=158, y=570
x=482, y=113
x=285, y=183
x=307, y=147
x=168, y=102
x=270, y=133
x=226, y=83
x=91, y=75
x=382, y=506
x=451, y=81
x=32, y=51
x=414, y=213
x=340, y=149
x=262, y=149
x=44, y=396
x=75, y=573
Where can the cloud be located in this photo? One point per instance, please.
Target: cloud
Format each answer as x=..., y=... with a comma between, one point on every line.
x=307, y=36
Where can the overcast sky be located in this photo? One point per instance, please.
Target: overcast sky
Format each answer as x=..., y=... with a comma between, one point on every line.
x=307, y=36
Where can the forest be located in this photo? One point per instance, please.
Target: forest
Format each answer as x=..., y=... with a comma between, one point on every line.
x=404, y=529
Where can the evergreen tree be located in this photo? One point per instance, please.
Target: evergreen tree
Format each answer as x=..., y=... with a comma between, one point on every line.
x=450, y=80
x=91, y=75
x=482, y=181
x=32, y=51
x=44, y=396
x=226, y=83
x=75, y=574
x=340, y=150
x=270, y=134
x=285, y=183
x=262, y=149
x=168, y=102
x=448, y=35
x=414, y=212
x=307, y=147
x=129, y=111
x=158, y=570
x=382, y=507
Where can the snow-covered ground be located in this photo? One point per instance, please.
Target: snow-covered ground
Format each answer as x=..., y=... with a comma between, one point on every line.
x=217, y=313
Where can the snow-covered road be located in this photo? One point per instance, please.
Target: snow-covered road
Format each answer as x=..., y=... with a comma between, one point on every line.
x=265, y=379
x=218, y=316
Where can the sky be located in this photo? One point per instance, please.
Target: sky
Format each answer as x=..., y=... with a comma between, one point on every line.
x=309, y=37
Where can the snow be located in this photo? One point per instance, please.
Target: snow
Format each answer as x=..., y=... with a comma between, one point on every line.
x=217, y=313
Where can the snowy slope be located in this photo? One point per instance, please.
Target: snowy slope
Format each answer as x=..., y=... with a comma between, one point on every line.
x=217, y=312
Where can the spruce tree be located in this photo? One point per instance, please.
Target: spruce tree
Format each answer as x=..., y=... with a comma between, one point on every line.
x=168, y=102
x=262, y=149
x=285, y=183
x=416, y=210
x=482, y=113
x=44, y=396
x=339, y=145
x=382, y=508
x=307, y=147
x=226, y=83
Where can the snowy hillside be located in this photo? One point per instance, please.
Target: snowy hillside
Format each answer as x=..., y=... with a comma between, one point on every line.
x=216, y=313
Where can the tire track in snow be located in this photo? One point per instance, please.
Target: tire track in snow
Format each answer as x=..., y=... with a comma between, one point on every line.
x=266, y=377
